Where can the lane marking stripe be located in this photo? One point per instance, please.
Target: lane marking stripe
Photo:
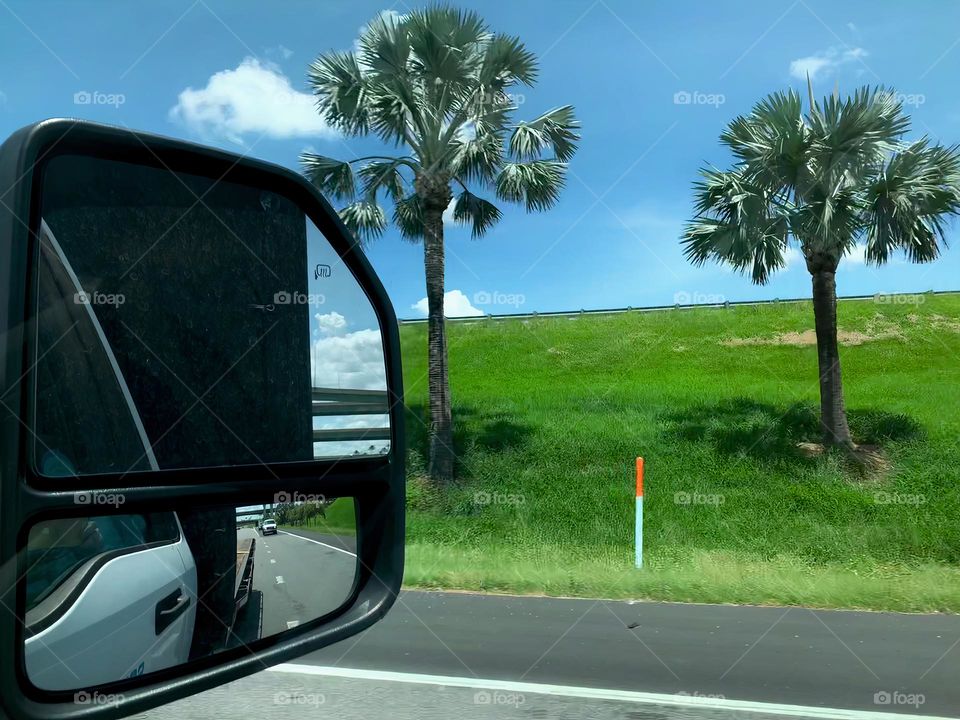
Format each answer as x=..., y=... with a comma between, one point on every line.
x=332, y=547
x=650, y=698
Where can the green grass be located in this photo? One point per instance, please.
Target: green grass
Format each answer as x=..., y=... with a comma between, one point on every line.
x=340, y=519
x=550, y=414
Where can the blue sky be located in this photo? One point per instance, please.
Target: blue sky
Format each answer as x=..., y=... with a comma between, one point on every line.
x=233, y=74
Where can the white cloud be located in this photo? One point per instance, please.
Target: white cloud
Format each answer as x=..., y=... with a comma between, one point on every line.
x=354, y=360
x=255, y=97
x=455, y=304
x=825, y=62
x=281, y=50
x=331, y=322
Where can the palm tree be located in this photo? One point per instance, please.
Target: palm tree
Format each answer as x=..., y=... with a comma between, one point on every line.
x=838, y=176
x=436, y=83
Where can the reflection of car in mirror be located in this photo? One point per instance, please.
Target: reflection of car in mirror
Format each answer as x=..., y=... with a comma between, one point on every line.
x=107, y=597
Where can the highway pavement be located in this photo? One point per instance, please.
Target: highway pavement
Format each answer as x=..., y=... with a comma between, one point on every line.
x=299, y=576
x=489, y=656
x=443, y=655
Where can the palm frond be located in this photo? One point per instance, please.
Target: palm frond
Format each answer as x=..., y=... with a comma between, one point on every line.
x=856, y=132
x=772, y=143
x=507, y=61
x=480, y=213
x=445, y=43
x=364, y=219
x=384, y=46
x=330, y=176
x=341, y=91
x=536, y=184
x=556, y=129
x=408, y=217
x=478, y=158
x=909, y=200
x=736, y=224
x=382, y=175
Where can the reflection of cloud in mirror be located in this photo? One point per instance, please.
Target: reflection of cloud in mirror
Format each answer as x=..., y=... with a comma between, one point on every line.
x=348, y=360
x=331, y=322
x=353, y=360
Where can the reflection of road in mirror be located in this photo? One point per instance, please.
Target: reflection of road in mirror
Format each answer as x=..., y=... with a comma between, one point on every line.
x=298, y=576
x=118, y=596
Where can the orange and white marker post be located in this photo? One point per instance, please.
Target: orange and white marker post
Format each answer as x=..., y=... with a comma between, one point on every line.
x=639, y=526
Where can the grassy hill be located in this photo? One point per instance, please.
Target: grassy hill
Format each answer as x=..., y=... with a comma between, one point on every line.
x=550, y=414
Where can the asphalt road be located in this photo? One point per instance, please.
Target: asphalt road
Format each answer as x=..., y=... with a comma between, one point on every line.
x=299, y=576
x=441, y=655
x=287, y=696
x=467, y=655
x=833, y=659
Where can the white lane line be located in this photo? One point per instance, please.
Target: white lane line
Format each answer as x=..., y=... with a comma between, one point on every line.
x=650, y=698
x=272, y=561
x=317, y=542
x=279, y=579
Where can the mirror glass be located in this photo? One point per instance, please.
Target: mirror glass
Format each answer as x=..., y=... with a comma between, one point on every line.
x=115, y=596
x=187, y=321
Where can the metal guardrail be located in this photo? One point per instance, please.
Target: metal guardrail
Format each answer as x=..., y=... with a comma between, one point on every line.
x=661, y=308
x=338, y=402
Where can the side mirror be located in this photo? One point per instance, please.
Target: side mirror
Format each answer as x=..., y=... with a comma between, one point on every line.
x=201, y=422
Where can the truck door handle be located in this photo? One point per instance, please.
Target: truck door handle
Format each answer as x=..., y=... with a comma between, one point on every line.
x=170, y=608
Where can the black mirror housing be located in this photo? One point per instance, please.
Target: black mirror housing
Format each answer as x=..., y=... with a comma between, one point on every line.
x=27, y=496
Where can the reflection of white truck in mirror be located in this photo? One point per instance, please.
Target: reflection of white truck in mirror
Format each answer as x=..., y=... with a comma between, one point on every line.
x=116, y=596
x=112, y=597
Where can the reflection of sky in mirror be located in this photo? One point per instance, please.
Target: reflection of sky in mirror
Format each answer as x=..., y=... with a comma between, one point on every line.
x=346, y=351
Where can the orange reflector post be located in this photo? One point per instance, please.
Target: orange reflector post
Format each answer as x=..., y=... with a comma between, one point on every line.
x=638, y=539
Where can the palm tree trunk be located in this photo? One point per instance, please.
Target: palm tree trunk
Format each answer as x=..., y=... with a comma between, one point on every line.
x=440, y=467
x=833, y=413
